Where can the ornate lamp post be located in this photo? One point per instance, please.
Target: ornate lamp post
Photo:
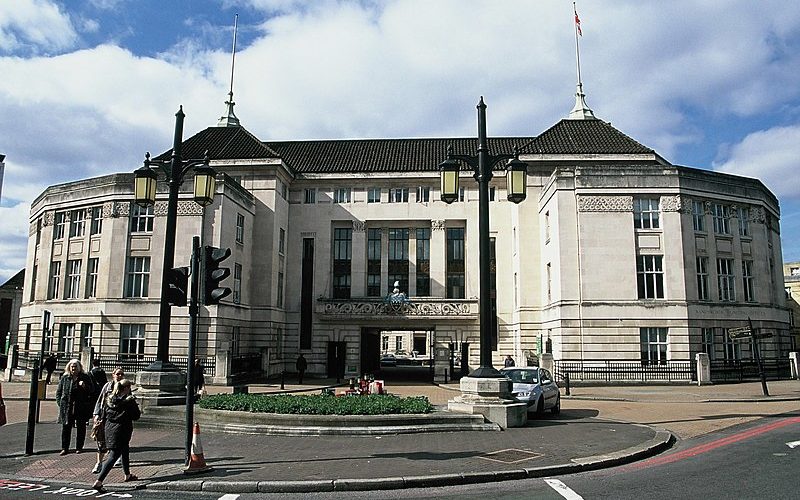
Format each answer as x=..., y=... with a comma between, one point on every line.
x=175, y=170
x=482, y=166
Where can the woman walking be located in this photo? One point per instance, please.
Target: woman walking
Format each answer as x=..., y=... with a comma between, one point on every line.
x=74, y=398
x=98, y=428
x=120, y=412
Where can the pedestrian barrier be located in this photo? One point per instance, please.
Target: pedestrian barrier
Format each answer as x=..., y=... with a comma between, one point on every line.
x=197, y=463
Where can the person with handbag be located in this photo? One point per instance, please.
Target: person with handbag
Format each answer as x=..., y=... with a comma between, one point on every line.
x=98, y=427
x=121, y=410
x=74, y=398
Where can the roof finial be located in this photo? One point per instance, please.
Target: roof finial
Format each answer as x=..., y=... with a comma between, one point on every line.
x=229, y=119
x=580, y=111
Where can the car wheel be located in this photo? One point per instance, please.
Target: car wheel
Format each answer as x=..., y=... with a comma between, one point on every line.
x=540, y=406
x=555, y=410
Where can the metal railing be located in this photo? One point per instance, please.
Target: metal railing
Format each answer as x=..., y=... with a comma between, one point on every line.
x=138, y=362
x=625, y=371
x=246, y=363
x=738, y=370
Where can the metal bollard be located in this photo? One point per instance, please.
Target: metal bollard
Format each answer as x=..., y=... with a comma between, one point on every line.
x=566, y=382
x=283, y=379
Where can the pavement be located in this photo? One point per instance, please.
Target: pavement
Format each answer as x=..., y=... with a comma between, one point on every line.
x=598, y=427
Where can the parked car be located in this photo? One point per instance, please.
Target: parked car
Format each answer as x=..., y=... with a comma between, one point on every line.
x=536, y=387
x=388, y=360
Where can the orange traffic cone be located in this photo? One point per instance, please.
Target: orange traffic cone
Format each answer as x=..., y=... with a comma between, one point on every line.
x=197, y=463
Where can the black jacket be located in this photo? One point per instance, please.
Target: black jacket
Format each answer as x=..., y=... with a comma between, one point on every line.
x=78, y=400
x=120, y=412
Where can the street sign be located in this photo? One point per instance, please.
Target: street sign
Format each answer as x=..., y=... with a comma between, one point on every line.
x=739, y=333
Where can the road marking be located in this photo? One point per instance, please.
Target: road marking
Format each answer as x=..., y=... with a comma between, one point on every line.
x=703, y=448
x=228, y=496
x=793, y=444
x=562, y=489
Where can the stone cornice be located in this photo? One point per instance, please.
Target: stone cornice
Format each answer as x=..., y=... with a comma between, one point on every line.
x=329, y=309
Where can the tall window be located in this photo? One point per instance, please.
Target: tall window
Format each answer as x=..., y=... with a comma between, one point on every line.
x=491, y=193
x=462, y=193
x=310, y=196
x=374, y=195
x=398, y=258
x=373, y=262
x=744, y=221
x=398, y=195
x=237, y=283
x=239, y=228
x=92, y=269
x=748, y=281
x=654, y=345
x=142, y=218
x=281, y=241
x=77, y=223
x=725, y=278
x=66, y=339
x=341, y=195
x=698, y=215
x=59, y=224
x=423, y=261
x=86, y=335
x=398, y=343
x=281, y=271
x=423, y=194
x=455, y=263
x=702, y=278
x=650, y=277
x=34, y=279
x=720, y=214
x=342, y=255
x=707, y=337
x=131, y=340
x=733, y=350
x=138, y=277
x=55, y=279
x=97, y=221
x=73, y=288
x=549, y=278
x=306, y=293
x=38, y=231
x=236, y=340
x=546, y=226
x=645, y=213
x=384, y=343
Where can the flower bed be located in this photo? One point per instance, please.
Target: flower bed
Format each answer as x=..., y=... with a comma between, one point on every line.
x=318, y=404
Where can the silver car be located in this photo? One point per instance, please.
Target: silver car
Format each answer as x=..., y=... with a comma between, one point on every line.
x=536, y=387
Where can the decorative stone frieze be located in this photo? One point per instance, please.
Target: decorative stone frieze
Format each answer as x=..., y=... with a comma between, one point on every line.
x=437, y=225
x=605, y=203
x=48, y=218
x=358, y=226
x=189, y=208
x=676, y=203
x=108, y=209
x=120, y=209
x=308, y=234
x=757, y=215
x=374, y=308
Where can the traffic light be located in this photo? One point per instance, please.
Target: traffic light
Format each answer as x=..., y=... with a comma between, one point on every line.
x=213, y=274
x=178, y=285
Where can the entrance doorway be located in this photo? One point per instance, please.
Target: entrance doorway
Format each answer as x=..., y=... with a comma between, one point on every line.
x=336, y=358
x=398, y=355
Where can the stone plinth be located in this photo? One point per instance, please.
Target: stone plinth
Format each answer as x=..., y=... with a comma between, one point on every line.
x=490, y=397
x=160, y=388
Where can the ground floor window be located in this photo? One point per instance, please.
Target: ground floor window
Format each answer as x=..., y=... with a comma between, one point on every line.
x=66, y=339
x=131, y=340
x=733, y=350
x=707, y=335
x=653, y=345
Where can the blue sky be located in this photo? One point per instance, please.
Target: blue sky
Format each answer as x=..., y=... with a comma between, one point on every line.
x=88, y=86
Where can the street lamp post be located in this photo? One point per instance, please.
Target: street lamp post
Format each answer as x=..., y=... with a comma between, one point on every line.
x=482, y=164
x=145, y=193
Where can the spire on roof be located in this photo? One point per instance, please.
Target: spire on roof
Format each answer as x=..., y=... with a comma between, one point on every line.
x=580, y=111
x=229, y=119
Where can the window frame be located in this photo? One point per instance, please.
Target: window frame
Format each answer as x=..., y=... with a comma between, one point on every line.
x=374, y=195
x=54, y=280
x=654, y=345
x=650, y=277
x=703, y=292
x=137, y=277
x=96, y=215
x=141, y=219
x=342, y=195
x=720, y=216
x=644, y=215
x=77, y=223
x=59, y=225
x=72, y=288
x=239, y=228
x=699, y=216
x=726, y=280
x=748, y=281
x=132, y=335
x=309, y=196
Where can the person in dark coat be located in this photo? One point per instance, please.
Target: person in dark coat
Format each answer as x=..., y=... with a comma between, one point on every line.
x=99, y=418
x=98, y=377
x=301, y=366
x=74, y=398
x=49, y=365
x=508, y=362
x=199, y=377
x=121, y=410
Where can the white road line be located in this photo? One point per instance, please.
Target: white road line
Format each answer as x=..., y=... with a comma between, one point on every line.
x=793, y=444
x=228, y=496
x=562, y=489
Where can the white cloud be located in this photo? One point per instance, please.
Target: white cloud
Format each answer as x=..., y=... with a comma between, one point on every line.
x=771, y=155
x=37, y=26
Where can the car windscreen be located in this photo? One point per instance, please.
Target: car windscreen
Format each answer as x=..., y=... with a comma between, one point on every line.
x=522, y=376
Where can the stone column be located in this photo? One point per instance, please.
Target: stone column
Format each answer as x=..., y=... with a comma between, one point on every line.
x=490, y=397
x=546, y=362
x=358, y=261
x=222, y=369
x=703, y=369
x=794, y=363
x=85, y=357
x=438, y=258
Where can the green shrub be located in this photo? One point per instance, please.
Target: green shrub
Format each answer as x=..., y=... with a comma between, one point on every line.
x=317, y=404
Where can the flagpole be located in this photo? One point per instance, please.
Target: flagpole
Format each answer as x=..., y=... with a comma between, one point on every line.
x=577, y=46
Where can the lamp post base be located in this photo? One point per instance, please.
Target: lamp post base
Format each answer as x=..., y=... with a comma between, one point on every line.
x=162, y=388
x=490, y=397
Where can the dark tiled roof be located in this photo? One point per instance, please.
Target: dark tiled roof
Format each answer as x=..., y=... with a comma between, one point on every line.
x=383, y=155
x=15, y=282
x=223, y=143
x=585, y=137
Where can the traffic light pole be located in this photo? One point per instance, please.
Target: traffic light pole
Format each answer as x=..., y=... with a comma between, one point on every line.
x=194, y=309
